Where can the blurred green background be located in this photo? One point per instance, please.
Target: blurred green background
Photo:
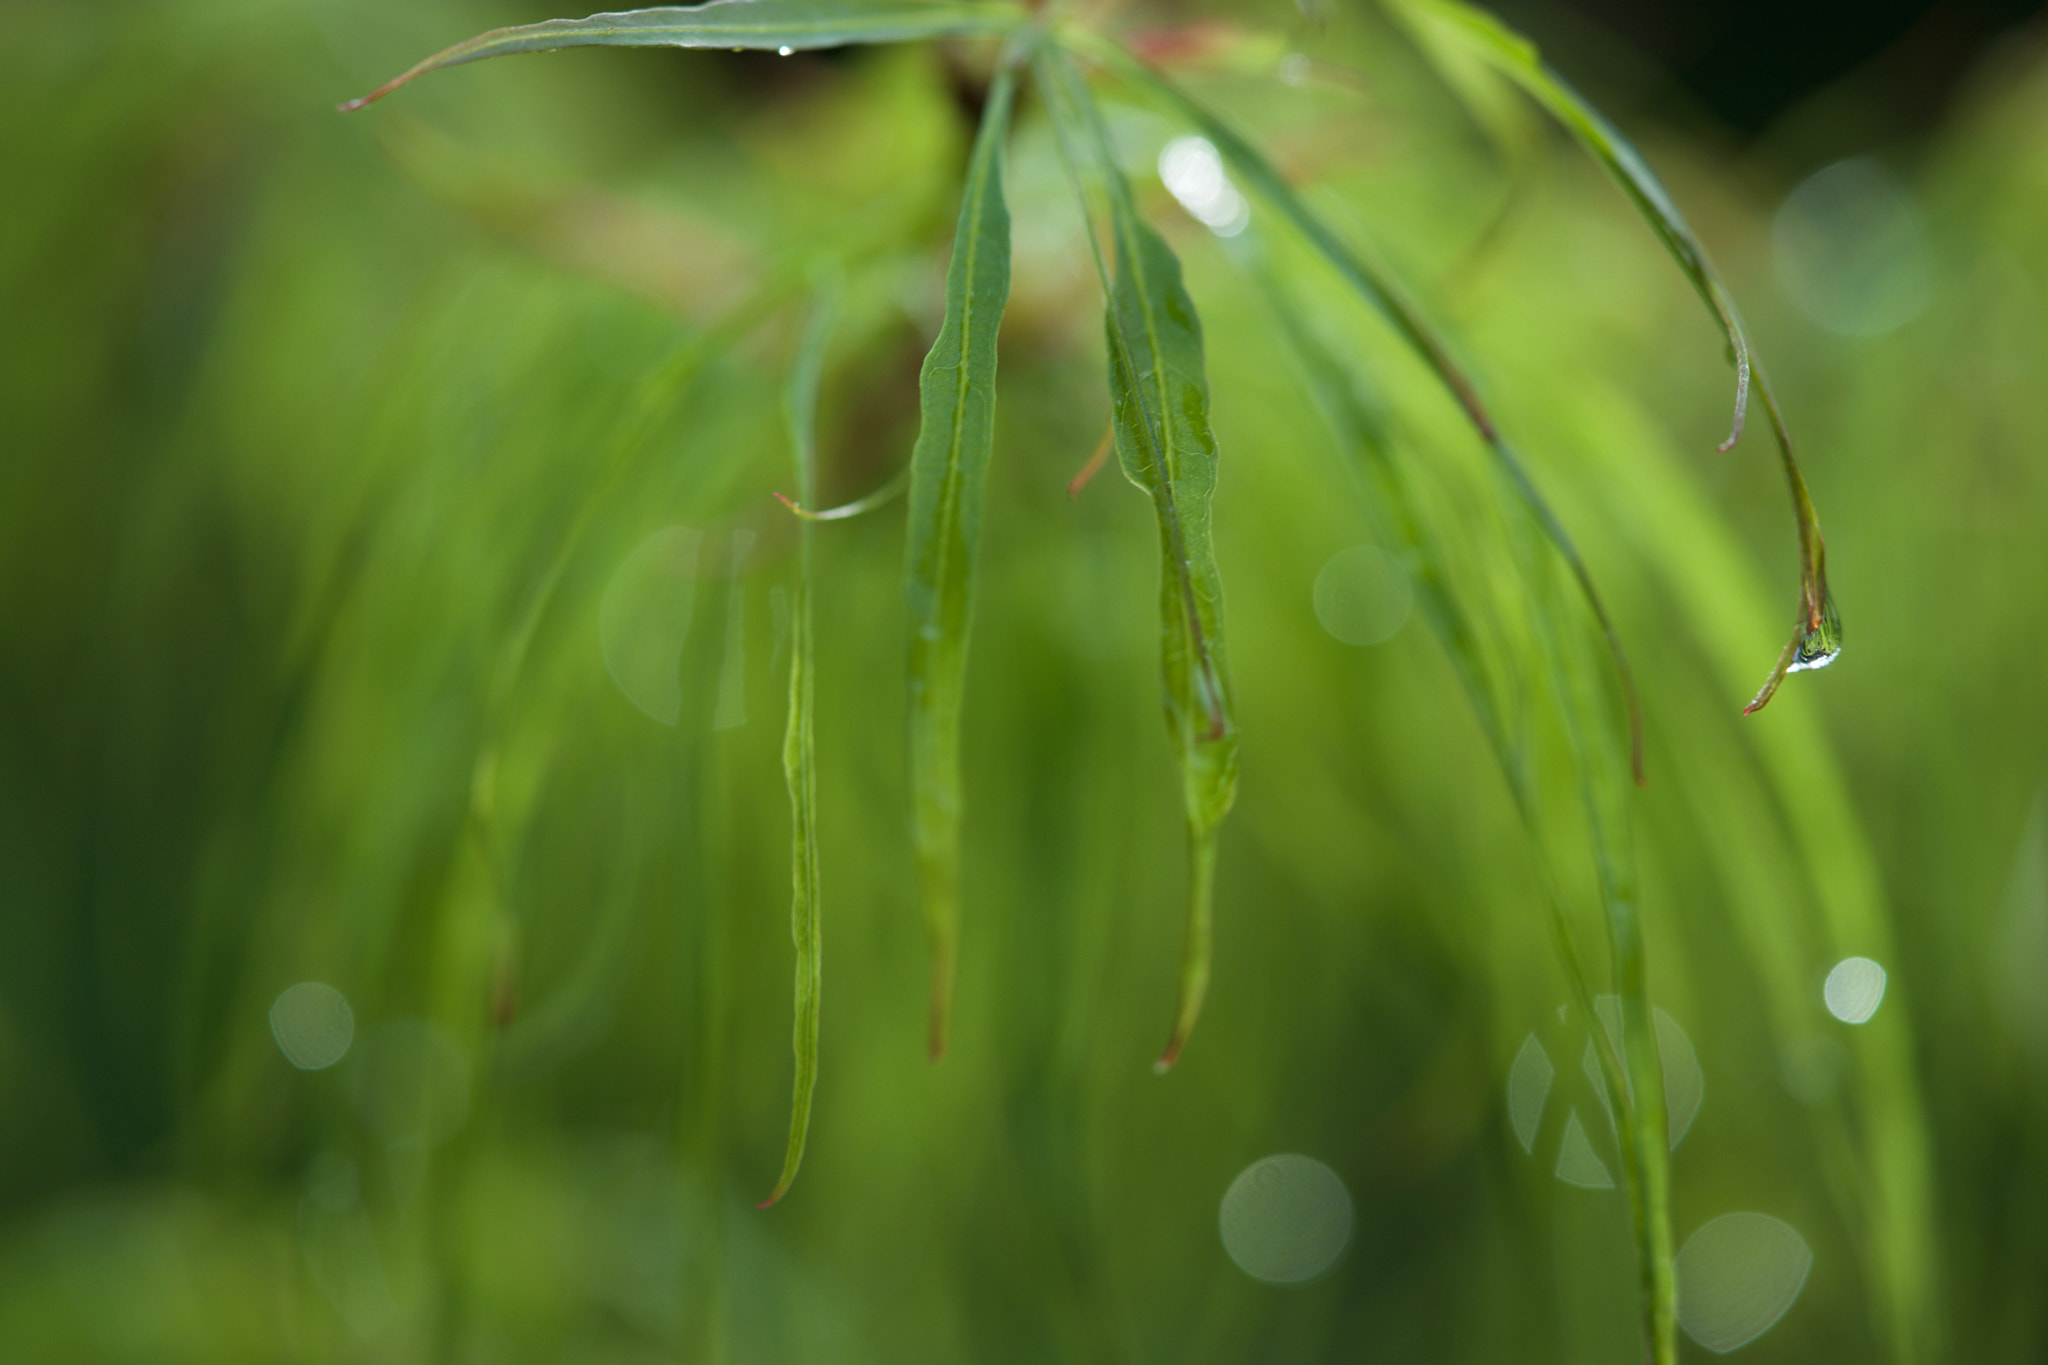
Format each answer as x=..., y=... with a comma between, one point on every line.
x=302, y=415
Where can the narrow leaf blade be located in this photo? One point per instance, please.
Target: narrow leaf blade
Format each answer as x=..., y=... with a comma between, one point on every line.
x=1159, y=396
x=957, y=397
x=799, y=750
x=761, y=25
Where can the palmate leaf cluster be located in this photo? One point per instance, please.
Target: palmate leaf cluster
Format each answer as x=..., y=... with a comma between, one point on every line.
x=1547, y=662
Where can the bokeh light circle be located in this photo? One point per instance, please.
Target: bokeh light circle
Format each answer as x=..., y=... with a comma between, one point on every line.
x=1285, y=1219
x=1854, y=990
x=313, y=1025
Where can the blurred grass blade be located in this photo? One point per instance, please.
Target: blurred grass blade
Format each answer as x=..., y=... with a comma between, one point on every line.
x=1406, y=319
x=799, y=744
x=1159, y=397
x=1447, y=29
x=761, y=25
x=732, y=668
x=1401, y=521
x=1639, y=1110
x=1085, y=475
x=957, y=399
x=1365, y=445
x=1642, y=1120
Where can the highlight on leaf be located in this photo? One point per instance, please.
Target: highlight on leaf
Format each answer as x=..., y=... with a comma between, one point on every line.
x=948, y=466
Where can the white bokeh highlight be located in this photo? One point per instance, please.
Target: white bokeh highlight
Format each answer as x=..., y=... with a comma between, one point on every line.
x=1285, y=1219
x=313, y=1025
x=1363, y=596
x=1737, y=1275
x=1852, y=250
x=1854, y=989
x=1192, y=172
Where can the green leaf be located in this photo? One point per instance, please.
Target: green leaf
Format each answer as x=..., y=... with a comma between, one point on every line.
x=1448, y=28
x=1160, y=411
x=957, y=402
x=799, y=744
x=762, y=25
x=1407, y=320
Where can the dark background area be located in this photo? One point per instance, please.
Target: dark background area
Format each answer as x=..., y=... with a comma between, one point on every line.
x=1747, y=62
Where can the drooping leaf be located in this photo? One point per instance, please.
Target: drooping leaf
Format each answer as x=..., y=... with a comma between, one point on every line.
x=957, y=401
x=799, y=744
x=1159, y=397
x=1451, y=27
x=1407, y=320
x=760, y=25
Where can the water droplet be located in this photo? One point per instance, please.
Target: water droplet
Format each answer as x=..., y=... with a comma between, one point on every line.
x=1818, y=647
x=644, y=620
x=1851, y=250
x=313, y=1025
x=1285, y=1219
x=1362, y=596
x=1854, y=990
x=784, y=51
x=1737, y=1275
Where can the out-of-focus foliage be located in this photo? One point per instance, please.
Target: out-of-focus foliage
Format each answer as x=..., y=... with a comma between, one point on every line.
x=299, y=413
